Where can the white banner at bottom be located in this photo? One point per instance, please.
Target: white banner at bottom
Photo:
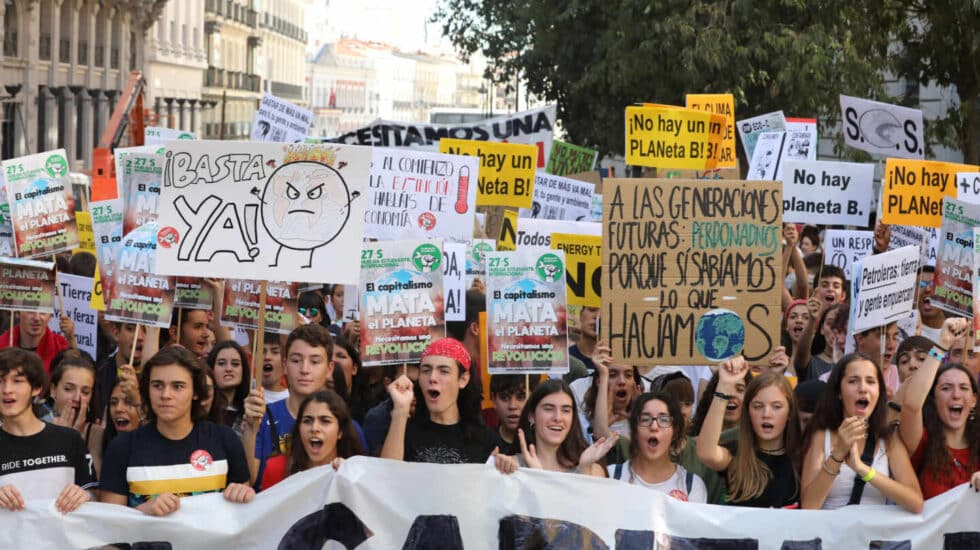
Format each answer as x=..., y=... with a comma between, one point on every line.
x=372, y=504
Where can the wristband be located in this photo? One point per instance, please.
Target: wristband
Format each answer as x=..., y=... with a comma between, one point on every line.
x=828, y=470
x=835, y=459
x=869, y=476
x=944, y=350
x=937, y=353
x=724, y=396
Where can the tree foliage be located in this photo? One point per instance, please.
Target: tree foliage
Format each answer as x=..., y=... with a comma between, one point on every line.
x=594, y=57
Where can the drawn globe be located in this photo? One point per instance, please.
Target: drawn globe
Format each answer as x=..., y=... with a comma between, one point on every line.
x=720, y=334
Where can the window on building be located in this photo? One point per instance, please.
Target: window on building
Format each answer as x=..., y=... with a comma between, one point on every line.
x=10, y=26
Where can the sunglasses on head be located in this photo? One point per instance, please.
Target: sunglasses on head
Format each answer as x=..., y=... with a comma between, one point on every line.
x=309, y=311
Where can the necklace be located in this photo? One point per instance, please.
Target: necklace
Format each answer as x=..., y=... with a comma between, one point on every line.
x=778, y=451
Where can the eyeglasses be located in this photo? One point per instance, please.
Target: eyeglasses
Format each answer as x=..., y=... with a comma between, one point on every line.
x=663, y=420
x=927, y=284
x=309, y=311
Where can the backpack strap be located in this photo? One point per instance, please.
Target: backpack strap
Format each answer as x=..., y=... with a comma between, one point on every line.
x=689, y=481
x=867, y=456
x=618, y=472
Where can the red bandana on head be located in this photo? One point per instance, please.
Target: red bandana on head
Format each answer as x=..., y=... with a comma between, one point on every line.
x=449, y=347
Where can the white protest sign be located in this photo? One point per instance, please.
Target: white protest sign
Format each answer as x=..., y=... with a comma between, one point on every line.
x=531, y=127
x=278, y=120
x=802, y=125
x=968, y=187
x=535, y=232
x=76, y=294
x=263, y=211
x=843, y=247
x=558, y=198
x=454, y=280
x=750, y=129
x=883, y=288
x=926, y=238
x=882, y=128
x=157, y=135
x=476, y=261
x=827, y=193
x=418, y=194
x=774, y=149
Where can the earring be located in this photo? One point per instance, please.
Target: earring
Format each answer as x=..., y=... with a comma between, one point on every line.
x=973, y=414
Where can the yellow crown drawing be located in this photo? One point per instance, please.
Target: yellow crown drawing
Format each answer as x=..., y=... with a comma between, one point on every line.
x=323, y=154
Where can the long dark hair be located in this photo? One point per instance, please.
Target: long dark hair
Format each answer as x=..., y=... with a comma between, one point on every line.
x=349, y=443
x=829, y=412
x=469, y=401
x=936, y=454
x=574, y=444
x=704, y=402
x=678, y=438
x=591, y=394
x=221, y=404
x=74, y=359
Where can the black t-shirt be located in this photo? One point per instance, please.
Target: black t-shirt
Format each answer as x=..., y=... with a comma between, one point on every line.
x=43, y=464
x=143, y=463
x=510, y=449
x=426, y=441
x=783, y=490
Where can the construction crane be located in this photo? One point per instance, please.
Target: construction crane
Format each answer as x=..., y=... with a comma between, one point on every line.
x=127, y=114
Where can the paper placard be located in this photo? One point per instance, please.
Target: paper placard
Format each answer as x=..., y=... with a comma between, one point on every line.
x=673, y=137
x=138, y=293
x=26, y=285
x=140, y=183
x=968, y=187
x=583, y=267
x=532, y=232
x=76, y=295
x=844, y=248
x=883, y=288
x=240, y=307
x=976, y=283
x=724, y=105
x=827, y=193
x=278, y=120
x=42, y=204
x=568, y=159
x=157, y=135
x=476, y=261
x=914, y=190
x=506, y=174
x=750, y=129
x=925, y=238
x=774, y=149
x=454, y=280
x=882, y=128
x=558, y=198
x=954, y=264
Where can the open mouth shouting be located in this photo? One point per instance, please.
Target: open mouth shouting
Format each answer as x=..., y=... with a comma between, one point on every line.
x=122, y=423
x=956, y=412
x=767, y=428
x=316, y=445
x=862, y=407
x=432, y=396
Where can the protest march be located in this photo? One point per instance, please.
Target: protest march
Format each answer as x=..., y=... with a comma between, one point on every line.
x=472, y=336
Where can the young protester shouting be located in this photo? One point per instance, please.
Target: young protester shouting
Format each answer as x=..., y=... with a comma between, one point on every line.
x=324, y=434
x=820, y=345
x=177, y=453
x=762, y=466
x=508, y=393
x=551, y=438
x=852, y=455
x=43, y=460
x=124, y=414
x=447, y=427
x=606, y=404
x=939, y=424
x=795, y=319
x=232, y=383
x=273, y=384
x=71, y=403
x=656, y=438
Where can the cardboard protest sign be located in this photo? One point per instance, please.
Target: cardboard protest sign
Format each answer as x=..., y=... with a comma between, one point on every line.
x=968, y=187
x=558, y=198
x=533, y=127
x=724, y=105
x=274, y=211
x=713, y=174
x=192, y=293
x=417, y=194
x=76, y=296
x=774, y=149
x=827, y=193
x=583, y=267
x=691, y=270
x=86, y=239
x=240, y=307
x=278, y=120
x=882, y=128
x=527, y=331
x=138, y=293
x=844, y=248
x=402, y=307
x=925, y=238
x=673, y=137
x=42, y=205
x=914, y=190
x=568, y=159
x=506, y=174
x=533, y=232
x=157, y=135
x=26, y=285
x=883, y=288
x=140, y=184
x=954, y=264
x=476, y=261
x=454, y=280
x=750, y=129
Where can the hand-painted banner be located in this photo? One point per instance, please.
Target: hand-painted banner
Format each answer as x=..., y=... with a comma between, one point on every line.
x=844, y=248
x=532, y=127
x=883, y=288
x=690, y=270
x=673, y=137
x=527, y=331
x=882, y=128
x=76, y=295
x=476, y=262
x=567, y=159
x=724, y=105
x=914, y=190
x=827, y=193
x=42, y=205
x=417, y=194
x=558, y=198
x=583, y=267
x=156, y=135
x=274, y=211
x=506, y=174
x=454, y=280
x=751, y=128
x=954, y=264
x=240, y=307
x=26, y=285
x=278, y=120
x=138, y=294
x=140, y=183
x=402, y=307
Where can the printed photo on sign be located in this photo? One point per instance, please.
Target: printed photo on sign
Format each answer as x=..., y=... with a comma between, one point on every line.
x=417, y=194
x=240, y=308
x=138, y=294
x=827, y=193
x=882, y=128
x=883, y=288
x=844, y=248
x=558, y=198
x=26, y=285
x=954, y=264
x=274, y=211
x=527, y=332
x=750, y=129
x=42, y=204
x=402, y=308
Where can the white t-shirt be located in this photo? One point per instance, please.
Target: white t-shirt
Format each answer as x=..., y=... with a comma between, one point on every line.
x=273, y=396
x=674, y=486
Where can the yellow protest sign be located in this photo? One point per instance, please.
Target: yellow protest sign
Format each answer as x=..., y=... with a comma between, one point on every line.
x=507, y=240
x=506, y=170
x=583, y=267
x=724, y=105
x=86, y=239
x=914, y=190
x=96, y=302
x=673, y=137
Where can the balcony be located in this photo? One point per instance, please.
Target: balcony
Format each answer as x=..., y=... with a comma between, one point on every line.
x=287, y=91
x=233, y=80
x=232, y=11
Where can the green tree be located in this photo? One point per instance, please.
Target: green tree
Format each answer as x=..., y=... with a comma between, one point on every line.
x=594, y=57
